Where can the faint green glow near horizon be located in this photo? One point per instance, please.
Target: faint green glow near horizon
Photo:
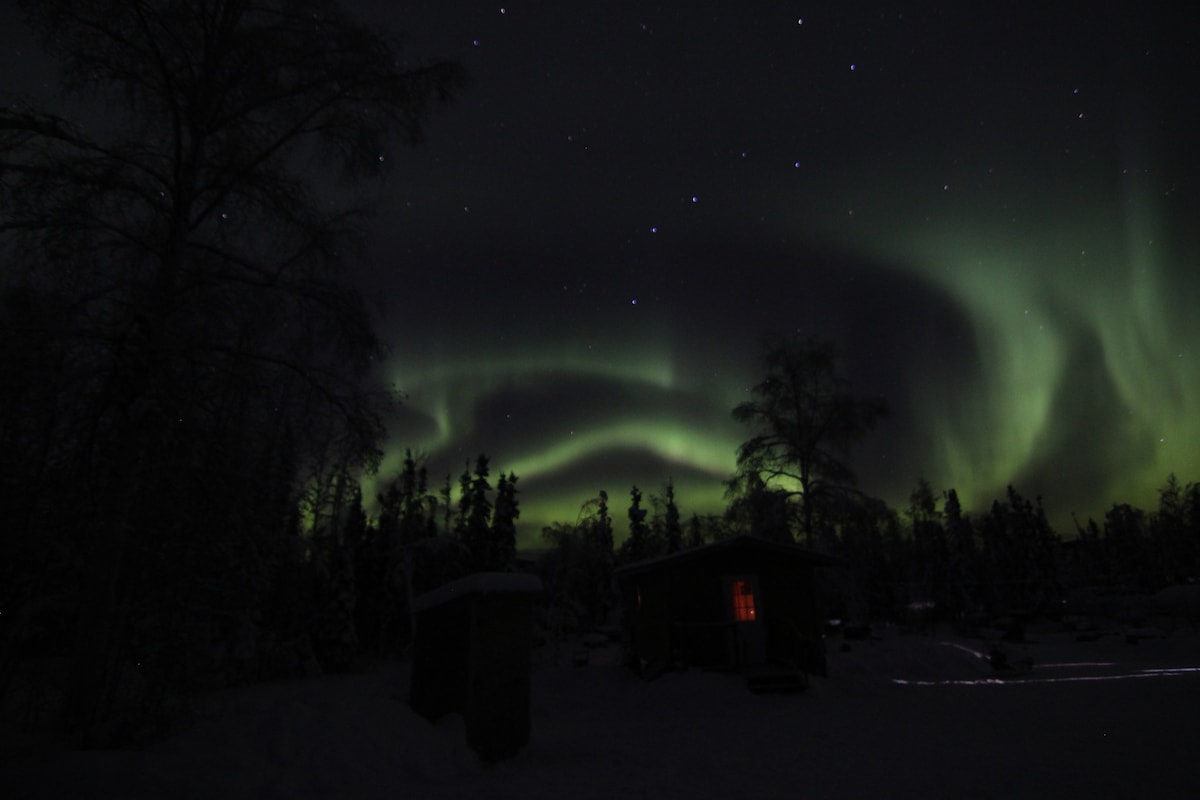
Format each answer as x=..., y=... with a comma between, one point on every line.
x=446, y=391
x=666, y=438
x=669, y=440
x=540, y=508
x=444, y=388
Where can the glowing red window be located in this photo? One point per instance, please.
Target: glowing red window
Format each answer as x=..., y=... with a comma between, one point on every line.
x=743, y=601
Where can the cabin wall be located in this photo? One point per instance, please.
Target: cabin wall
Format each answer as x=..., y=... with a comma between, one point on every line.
x=497, y=694
x=440, y=664
x=685, y=611
x=647, y=609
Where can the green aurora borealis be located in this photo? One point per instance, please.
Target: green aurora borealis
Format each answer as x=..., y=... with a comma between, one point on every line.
x=992, y=212
x=1079, y=383
x=1085, y=329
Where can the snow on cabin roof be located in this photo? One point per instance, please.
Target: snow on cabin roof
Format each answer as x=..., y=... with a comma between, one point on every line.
x=784, y=549
x=480, y=583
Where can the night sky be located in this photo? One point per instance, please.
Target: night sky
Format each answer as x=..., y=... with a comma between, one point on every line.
x=990, y=208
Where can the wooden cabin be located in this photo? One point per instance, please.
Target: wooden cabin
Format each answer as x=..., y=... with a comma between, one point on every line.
x=745, y=604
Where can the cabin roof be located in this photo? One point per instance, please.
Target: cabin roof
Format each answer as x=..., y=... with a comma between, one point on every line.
x=780, y=549
x=479, y=583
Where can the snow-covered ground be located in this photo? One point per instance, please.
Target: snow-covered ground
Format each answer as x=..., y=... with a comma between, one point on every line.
x=899, y=716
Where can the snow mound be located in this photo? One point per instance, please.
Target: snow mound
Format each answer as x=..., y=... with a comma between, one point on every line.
x=600, y=732
x=888, y=657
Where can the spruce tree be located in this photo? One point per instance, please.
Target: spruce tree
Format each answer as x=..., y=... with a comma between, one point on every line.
x=504, y=524
x=695, y=535
x=672, y=530
x=477, y=532
x=599, y=527
x=927, y=569
x=637, y=545
x=961, y=566
x=464, y=502
x=447, y=498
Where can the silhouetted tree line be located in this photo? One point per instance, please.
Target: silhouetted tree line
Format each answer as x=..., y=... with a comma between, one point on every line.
x=930, y=563
x=577, y=568
x=422, y=540
x=1144, y=550
x=189, y=393
x=933, y=561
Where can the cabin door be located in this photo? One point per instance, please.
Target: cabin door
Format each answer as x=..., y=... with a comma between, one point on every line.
x=745, y=606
